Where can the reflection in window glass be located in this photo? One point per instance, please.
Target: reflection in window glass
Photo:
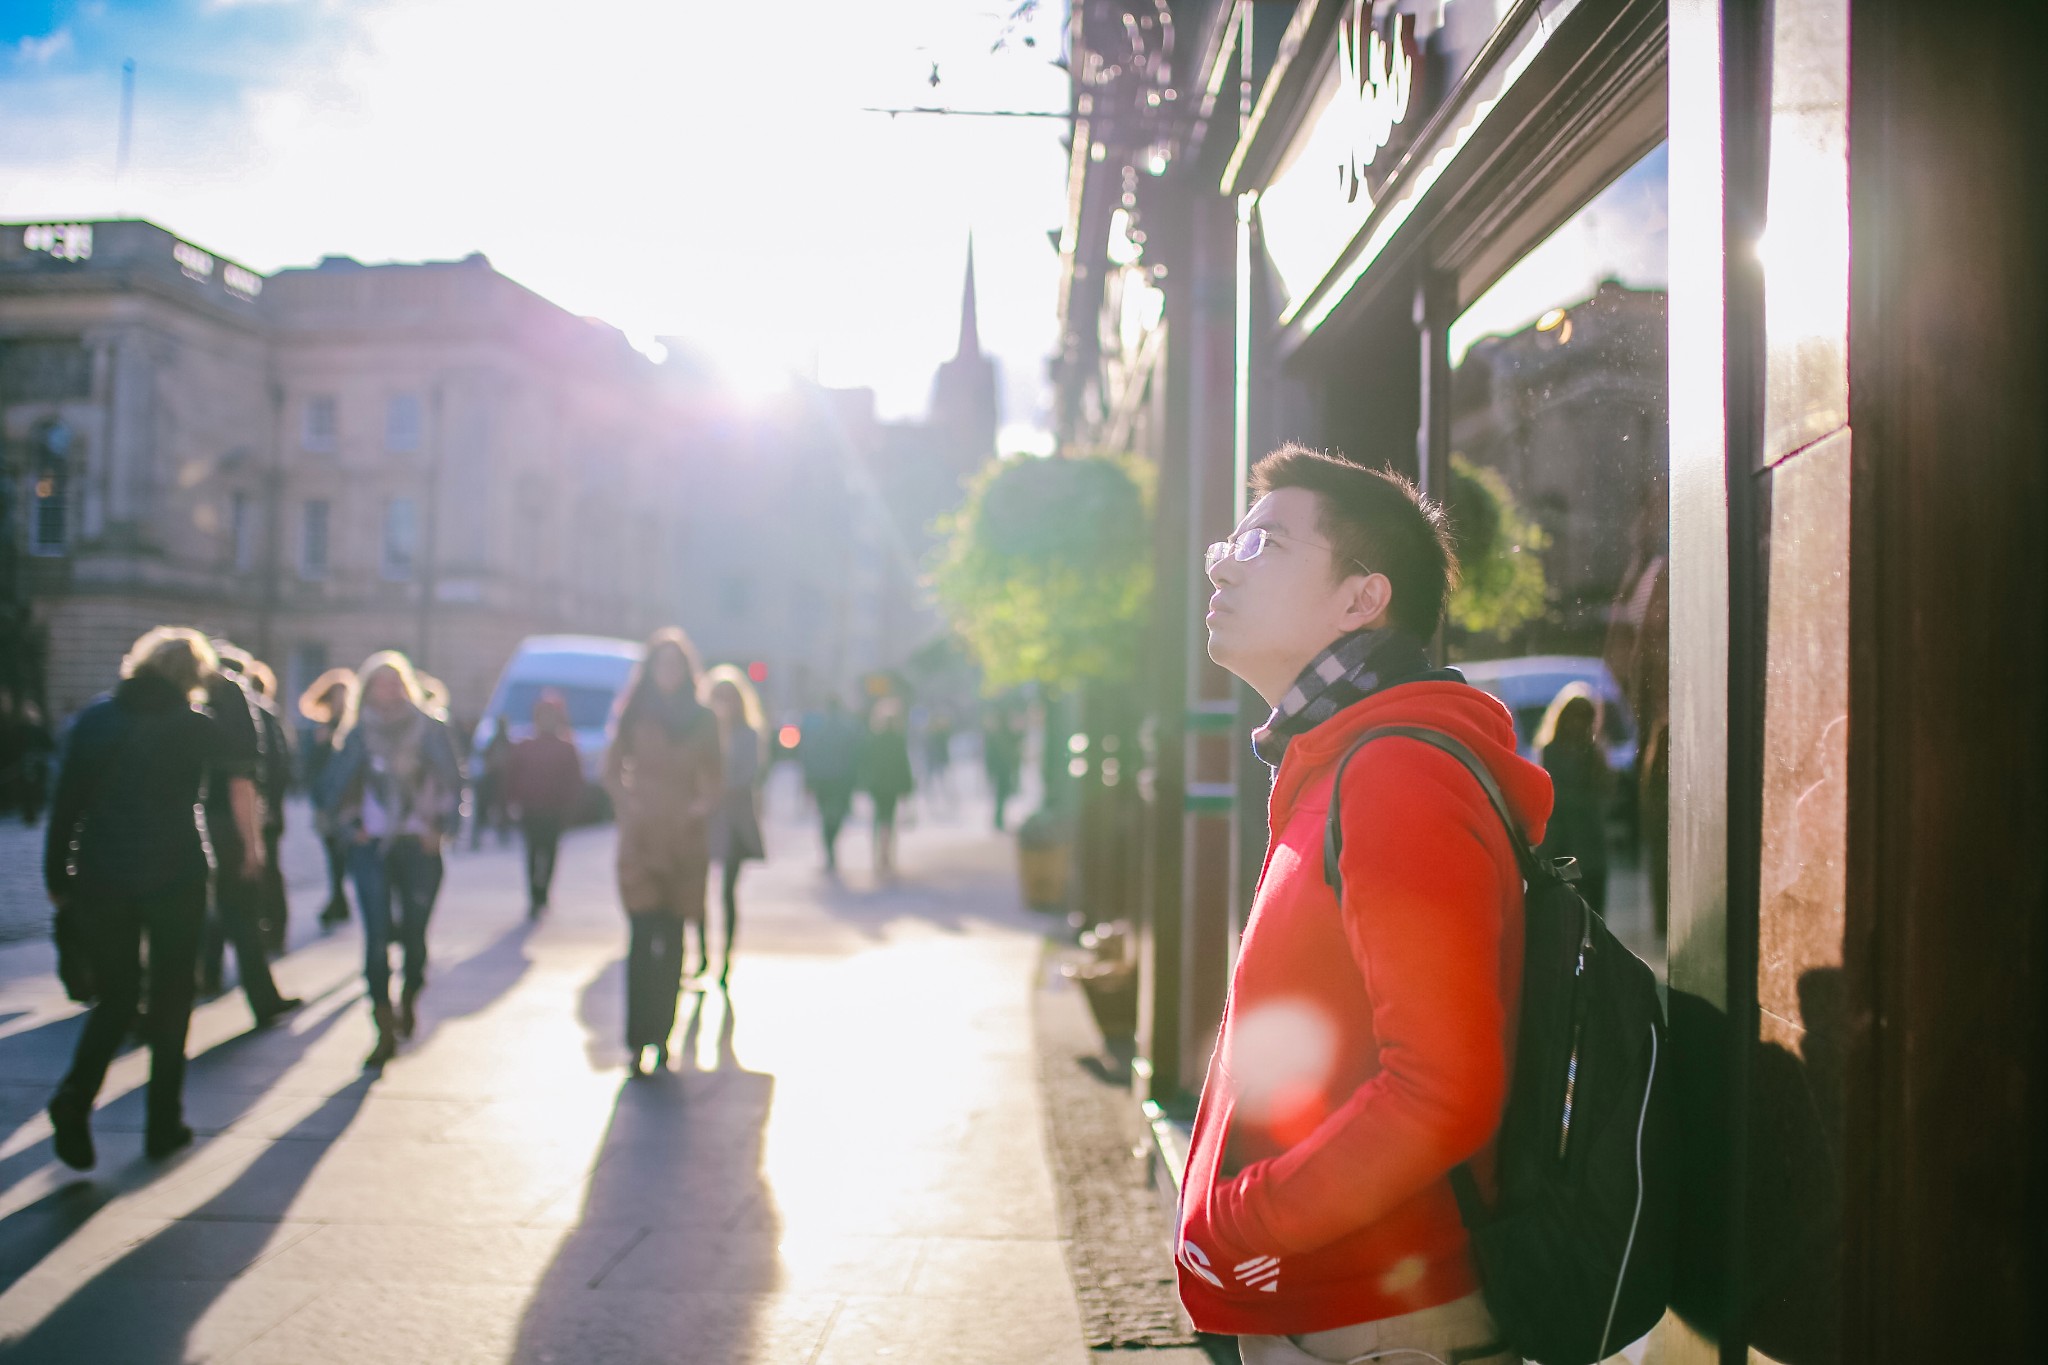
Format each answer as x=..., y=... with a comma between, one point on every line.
x=1558, y=489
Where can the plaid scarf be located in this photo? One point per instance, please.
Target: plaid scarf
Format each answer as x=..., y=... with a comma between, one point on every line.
x=1352, y=669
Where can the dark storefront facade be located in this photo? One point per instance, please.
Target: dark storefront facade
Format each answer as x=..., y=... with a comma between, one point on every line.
x=1718, y=336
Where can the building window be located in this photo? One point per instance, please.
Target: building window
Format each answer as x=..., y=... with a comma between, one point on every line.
x=402, y=424
x=322, y=426
x=242, y=529
x=401, y=539
x=49, y=513
x=44, y=371
x=49, y=523
x=313, y=541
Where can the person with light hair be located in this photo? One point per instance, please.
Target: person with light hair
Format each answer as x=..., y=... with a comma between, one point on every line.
x=393, y=792
x=324, y=703
x=736, y=824
x=126, y=860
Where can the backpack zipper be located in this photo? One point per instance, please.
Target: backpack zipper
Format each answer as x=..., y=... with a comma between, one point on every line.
x=1571, y=1070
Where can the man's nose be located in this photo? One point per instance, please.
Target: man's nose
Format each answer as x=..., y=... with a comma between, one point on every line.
x=1224, y=571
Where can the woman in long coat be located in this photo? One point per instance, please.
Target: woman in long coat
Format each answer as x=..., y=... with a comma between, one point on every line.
x=664, y=773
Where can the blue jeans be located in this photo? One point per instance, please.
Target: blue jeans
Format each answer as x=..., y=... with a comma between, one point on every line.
x=384, y=870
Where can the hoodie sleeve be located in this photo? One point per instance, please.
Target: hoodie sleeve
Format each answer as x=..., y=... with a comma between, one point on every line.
x=1424, y=897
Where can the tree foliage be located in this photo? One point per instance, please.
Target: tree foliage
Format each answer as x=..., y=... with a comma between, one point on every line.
x=1500, y=552
x=1045, y=570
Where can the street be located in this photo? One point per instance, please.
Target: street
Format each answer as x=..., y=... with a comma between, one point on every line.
x=846, y=1162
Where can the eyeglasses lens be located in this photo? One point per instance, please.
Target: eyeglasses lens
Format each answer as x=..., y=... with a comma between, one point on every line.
x=1239, y=547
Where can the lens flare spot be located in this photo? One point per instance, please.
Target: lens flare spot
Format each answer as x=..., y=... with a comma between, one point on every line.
x=1281, y=1053
x=1402, y=1276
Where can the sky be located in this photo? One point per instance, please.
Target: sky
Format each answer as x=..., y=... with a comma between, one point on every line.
x=673, y=167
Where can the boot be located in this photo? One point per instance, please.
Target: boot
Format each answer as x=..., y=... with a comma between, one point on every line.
x=408, y=1011
x=387, y=1035
x=164, y=1137
x=72, y=1138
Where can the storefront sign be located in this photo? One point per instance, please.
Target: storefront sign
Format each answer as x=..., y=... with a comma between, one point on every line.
x=1377, y=68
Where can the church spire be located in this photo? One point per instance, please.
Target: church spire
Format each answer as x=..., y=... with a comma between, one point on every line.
x=970, y=330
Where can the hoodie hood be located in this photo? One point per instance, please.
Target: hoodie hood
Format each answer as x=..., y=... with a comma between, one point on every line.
x=1473, y=717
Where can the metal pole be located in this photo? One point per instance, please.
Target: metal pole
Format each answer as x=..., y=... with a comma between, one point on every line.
x=127, y=134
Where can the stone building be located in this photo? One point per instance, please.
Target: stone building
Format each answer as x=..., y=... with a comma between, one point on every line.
x=327, y=461
x=321, y=462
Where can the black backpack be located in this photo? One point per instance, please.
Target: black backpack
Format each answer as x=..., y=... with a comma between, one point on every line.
x=1575, y=1257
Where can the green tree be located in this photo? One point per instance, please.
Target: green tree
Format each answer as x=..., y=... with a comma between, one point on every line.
x=1500, y=553
x=1045, y=570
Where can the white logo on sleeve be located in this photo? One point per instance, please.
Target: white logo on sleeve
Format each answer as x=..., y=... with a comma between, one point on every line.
x=1261, y=1273
x=1196, y=1262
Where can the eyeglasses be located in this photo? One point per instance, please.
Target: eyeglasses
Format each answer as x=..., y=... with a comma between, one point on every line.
x=1249, y=544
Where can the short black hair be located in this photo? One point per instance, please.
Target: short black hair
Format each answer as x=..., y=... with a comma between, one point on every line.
x=1379, y=519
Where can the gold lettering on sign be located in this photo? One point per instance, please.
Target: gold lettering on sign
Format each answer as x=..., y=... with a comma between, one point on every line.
x=1375, y=87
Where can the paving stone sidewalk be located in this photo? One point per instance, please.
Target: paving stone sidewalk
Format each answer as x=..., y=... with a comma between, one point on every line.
x=849, y=1161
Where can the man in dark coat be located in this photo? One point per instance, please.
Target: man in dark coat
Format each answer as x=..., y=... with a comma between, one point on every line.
x=124, y=860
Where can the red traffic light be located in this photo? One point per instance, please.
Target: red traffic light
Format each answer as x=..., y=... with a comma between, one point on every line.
x=757, y=671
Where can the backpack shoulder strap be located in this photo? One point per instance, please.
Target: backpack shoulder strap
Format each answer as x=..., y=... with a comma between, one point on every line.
x=1333, y=825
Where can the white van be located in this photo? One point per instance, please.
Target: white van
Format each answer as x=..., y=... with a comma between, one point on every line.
x=588, y=670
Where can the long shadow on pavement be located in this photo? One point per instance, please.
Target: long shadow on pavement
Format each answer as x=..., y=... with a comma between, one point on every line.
x=677, y=1186
x=116, y=1315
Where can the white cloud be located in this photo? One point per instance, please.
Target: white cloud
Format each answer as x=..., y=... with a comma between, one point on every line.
x=34, y=51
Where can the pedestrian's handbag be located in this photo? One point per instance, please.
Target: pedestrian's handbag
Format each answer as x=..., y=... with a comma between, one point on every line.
x=1575, y=1254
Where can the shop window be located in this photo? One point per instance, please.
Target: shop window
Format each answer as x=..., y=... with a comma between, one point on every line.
x=1558, y=489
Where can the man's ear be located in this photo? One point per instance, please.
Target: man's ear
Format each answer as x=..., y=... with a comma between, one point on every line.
x=1369, y=602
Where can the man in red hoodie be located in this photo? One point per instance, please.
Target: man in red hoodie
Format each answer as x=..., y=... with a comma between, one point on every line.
x=1365, y=1046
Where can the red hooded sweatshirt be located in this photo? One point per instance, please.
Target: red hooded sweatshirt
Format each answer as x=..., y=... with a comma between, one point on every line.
x=1365, y=1050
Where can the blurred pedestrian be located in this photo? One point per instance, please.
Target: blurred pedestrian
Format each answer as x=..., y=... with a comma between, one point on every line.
x=25, y=748
x=736, y=825
x=126, y=861
x=664, y=773
x=1002, y=753
x=239, y=900
x=1583, y=786
x=830, y=754
x=885, y=776
x=395, y=792
x=273, y=784
x=544, y=785
x=938, y=754
x=488, y=809
x=324, y=704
